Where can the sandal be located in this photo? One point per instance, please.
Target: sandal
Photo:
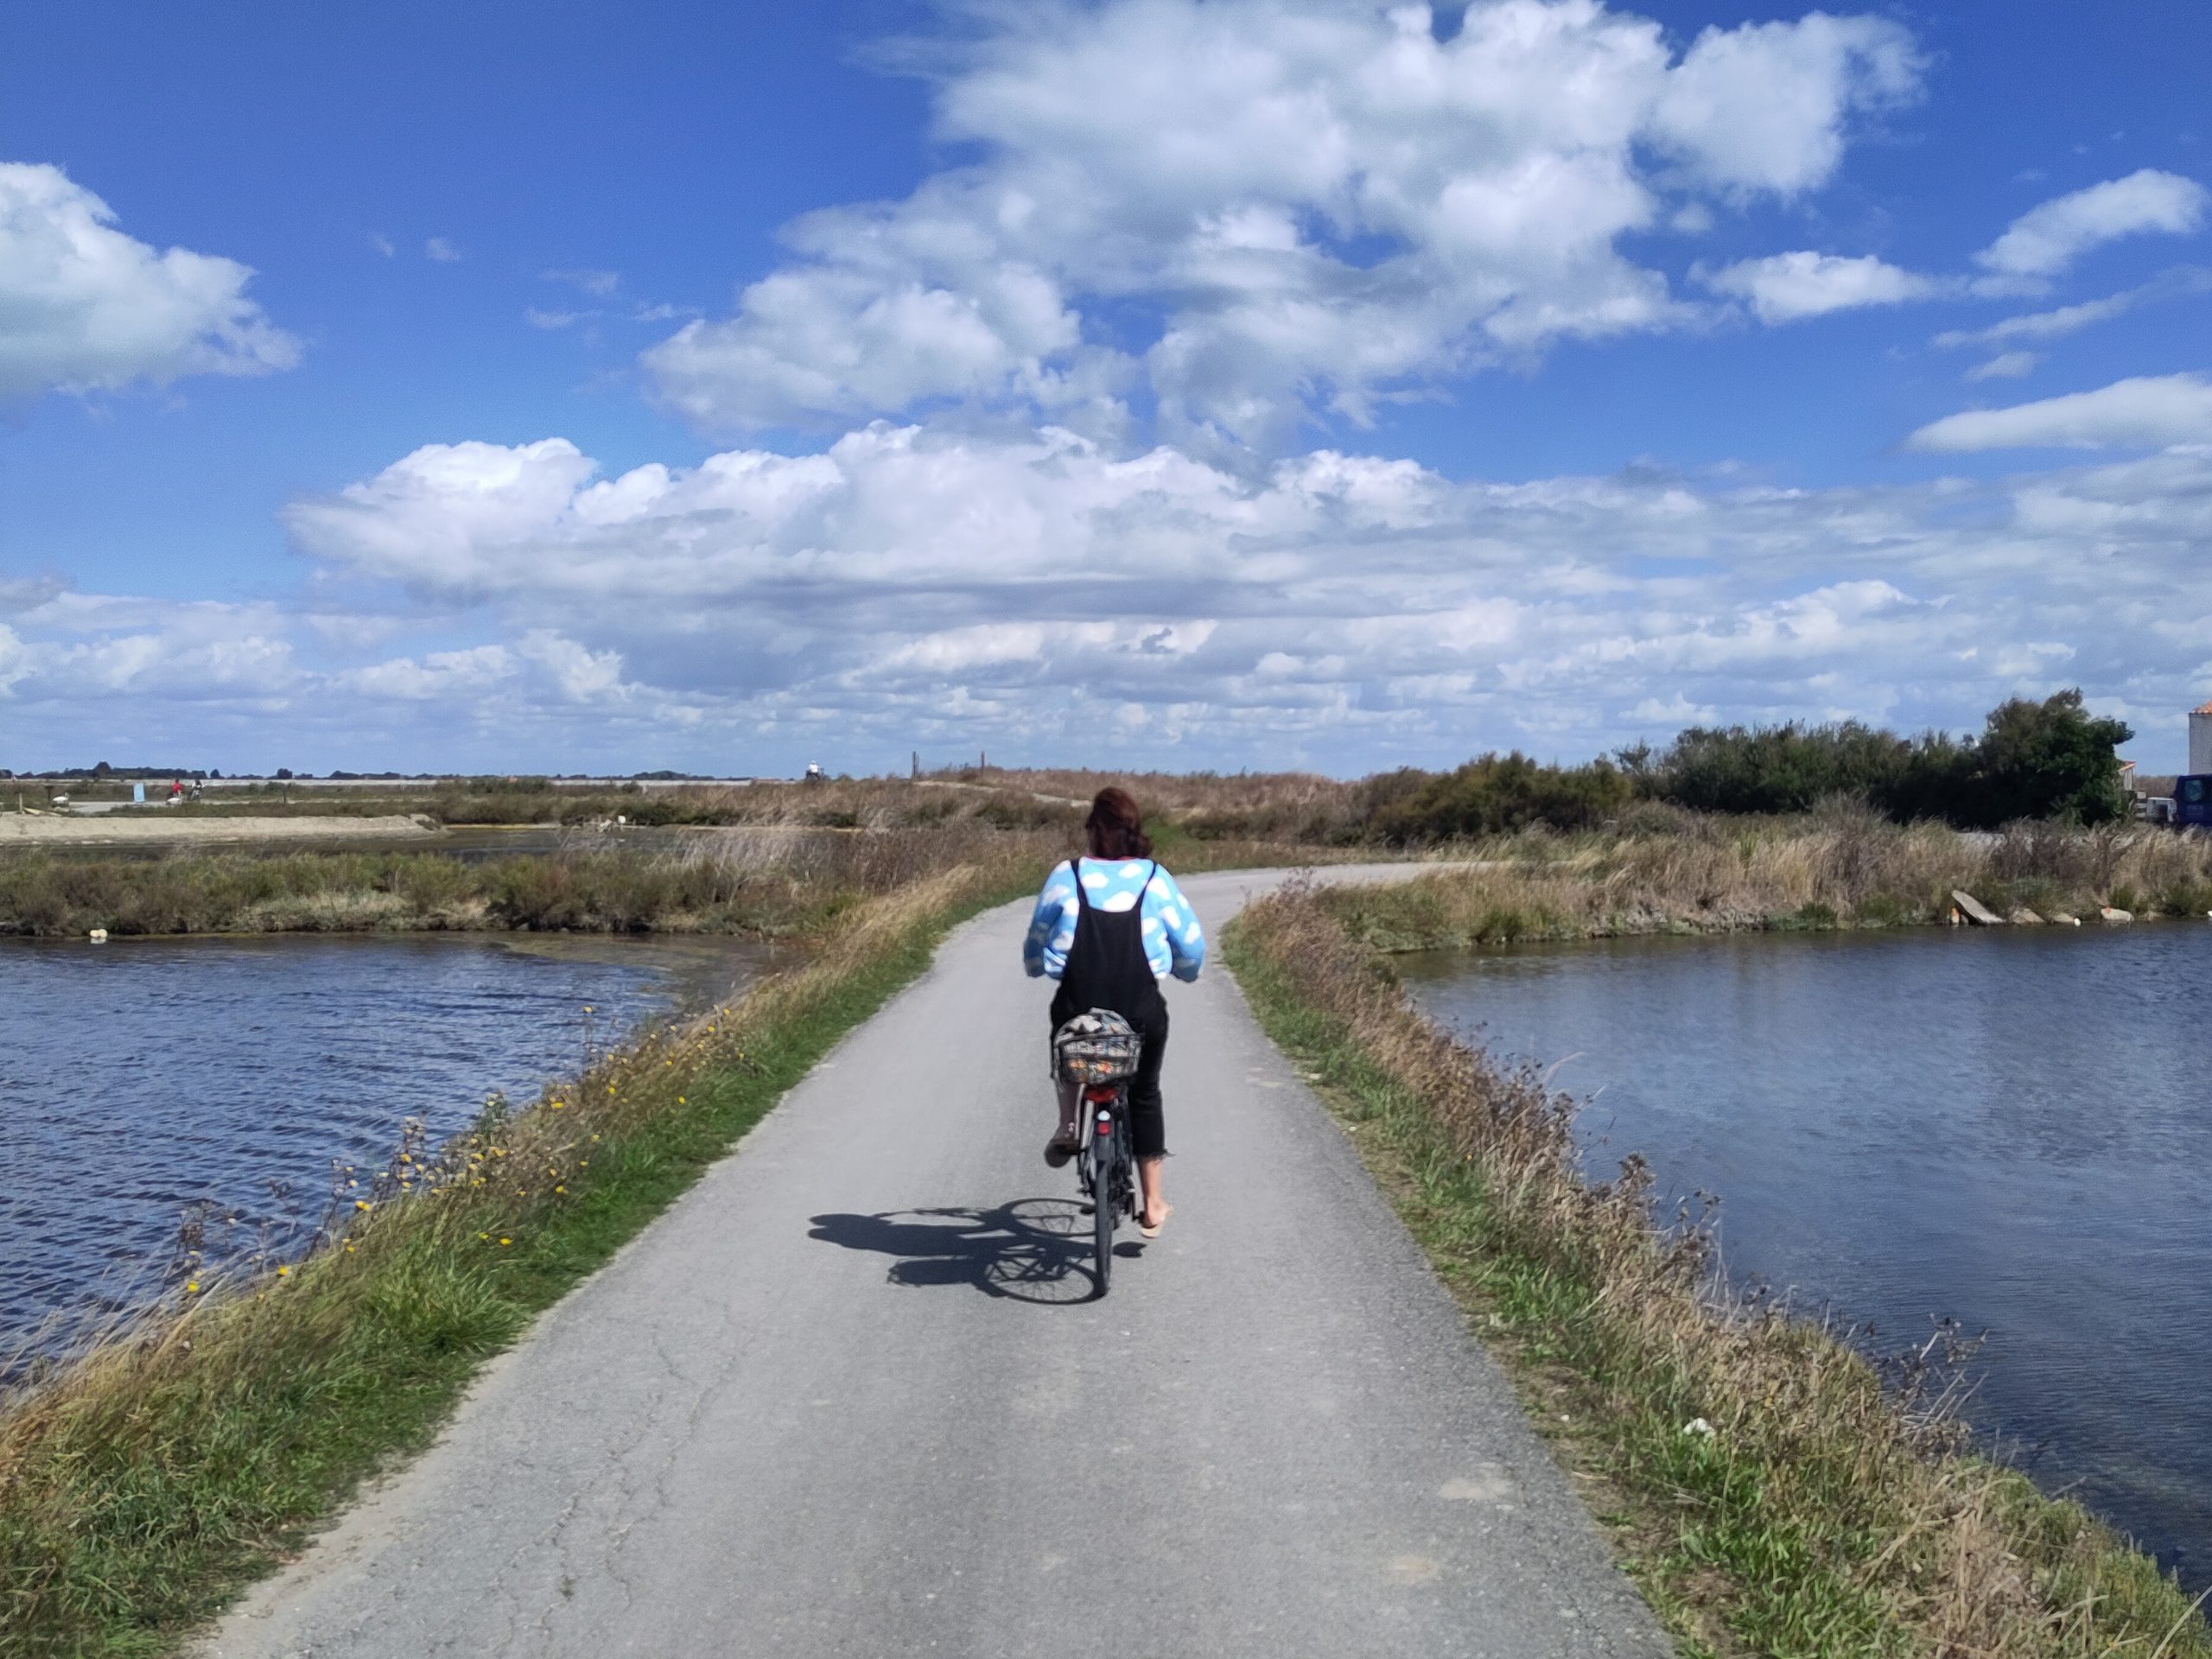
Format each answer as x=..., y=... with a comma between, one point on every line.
x=1151, y=1229
x=1060, y=1148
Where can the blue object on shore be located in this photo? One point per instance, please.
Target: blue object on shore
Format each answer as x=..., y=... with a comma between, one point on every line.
x=2193, y=799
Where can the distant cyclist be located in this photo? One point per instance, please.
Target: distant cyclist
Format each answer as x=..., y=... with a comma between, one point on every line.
x=1109, y=927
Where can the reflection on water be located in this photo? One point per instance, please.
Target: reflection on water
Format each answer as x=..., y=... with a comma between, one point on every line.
x=2011, y=1127
x=142, y=1077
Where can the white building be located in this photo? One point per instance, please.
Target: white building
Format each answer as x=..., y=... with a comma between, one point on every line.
x=2200, y=739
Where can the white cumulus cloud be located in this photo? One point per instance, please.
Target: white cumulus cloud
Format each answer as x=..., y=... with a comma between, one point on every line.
x=1763, y=106
x=2006, y=366
x=1785, y=286
x=911, y=585
x=2148, y=413
x=917, y=588
x=2071, y=319
x=1285, y=208
x=441, y=675
x=84, y=307
x=2046, y=239
x=90, y=649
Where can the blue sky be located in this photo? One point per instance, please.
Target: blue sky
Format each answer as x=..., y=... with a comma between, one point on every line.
x=1265, y=384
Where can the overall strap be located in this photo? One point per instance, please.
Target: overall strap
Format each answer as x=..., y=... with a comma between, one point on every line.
x=1075, y=873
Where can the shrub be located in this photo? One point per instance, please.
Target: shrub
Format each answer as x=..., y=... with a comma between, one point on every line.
x=2033, y=760
x=1495, y=795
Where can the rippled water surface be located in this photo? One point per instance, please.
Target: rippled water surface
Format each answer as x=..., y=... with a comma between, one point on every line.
x=2011, y=1127
x=139, y=1077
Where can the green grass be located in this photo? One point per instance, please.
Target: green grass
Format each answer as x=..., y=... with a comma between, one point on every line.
x=1821, y=1516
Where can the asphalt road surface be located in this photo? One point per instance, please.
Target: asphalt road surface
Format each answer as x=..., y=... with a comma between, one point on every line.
x=852, y=1396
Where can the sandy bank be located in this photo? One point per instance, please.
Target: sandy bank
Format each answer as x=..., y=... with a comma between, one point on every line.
x=111, y=828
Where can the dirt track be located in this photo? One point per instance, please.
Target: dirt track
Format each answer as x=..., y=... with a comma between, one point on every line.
x=115, y=828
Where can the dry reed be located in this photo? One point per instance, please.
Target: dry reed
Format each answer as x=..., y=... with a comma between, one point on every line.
x=1678, y=872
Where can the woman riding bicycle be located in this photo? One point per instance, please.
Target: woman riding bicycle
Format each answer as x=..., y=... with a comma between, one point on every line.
x=1109, y=927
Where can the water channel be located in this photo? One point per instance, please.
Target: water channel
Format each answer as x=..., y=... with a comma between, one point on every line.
x=144, y=1077
x=2010, y=1129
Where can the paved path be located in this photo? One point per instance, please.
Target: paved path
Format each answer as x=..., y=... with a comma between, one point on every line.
x=849, y=1397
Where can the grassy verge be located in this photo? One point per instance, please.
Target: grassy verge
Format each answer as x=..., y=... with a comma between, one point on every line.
x=141, y=1486
x=1767, y=1491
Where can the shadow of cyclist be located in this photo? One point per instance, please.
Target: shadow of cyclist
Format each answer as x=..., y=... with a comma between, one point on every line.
x=1032, y=1249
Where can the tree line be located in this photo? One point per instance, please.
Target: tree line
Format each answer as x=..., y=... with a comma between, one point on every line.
x=2047, y=760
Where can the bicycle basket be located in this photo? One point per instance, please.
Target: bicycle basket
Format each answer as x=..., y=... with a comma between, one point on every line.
x=1095, y=1047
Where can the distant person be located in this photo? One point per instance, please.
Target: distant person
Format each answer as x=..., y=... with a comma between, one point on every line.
x=1109, y=927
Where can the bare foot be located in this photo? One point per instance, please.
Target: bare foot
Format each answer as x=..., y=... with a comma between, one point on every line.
x=1154, y=1220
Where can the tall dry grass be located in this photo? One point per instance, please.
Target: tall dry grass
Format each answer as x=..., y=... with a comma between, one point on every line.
x=758, y=881
x=1673, y=871
x=773, y=878
x=1280, y=806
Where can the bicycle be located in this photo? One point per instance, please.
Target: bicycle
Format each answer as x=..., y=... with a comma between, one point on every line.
x=1099, y=1052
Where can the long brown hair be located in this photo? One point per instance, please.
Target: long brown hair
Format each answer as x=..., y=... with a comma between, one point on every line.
x=1115, y=828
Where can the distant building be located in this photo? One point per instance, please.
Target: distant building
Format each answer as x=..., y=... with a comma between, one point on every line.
x=2192, y=800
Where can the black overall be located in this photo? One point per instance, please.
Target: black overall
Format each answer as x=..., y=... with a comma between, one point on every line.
x=1107, y=968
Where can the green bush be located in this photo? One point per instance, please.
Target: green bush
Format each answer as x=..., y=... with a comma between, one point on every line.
x=2033, y=760
x=1494, y=795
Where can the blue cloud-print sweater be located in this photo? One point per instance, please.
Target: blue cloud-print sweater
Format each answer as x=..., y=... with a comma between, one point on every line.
x=1173, y=941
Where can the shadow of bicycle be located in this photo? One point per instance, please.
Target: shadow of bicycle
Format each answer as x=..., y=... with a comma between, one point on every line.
x=1032, y=1249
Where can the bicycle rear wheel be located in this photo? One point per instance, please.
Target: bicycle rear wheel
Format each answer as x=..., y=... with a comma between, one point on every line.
x=1105, y=1159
